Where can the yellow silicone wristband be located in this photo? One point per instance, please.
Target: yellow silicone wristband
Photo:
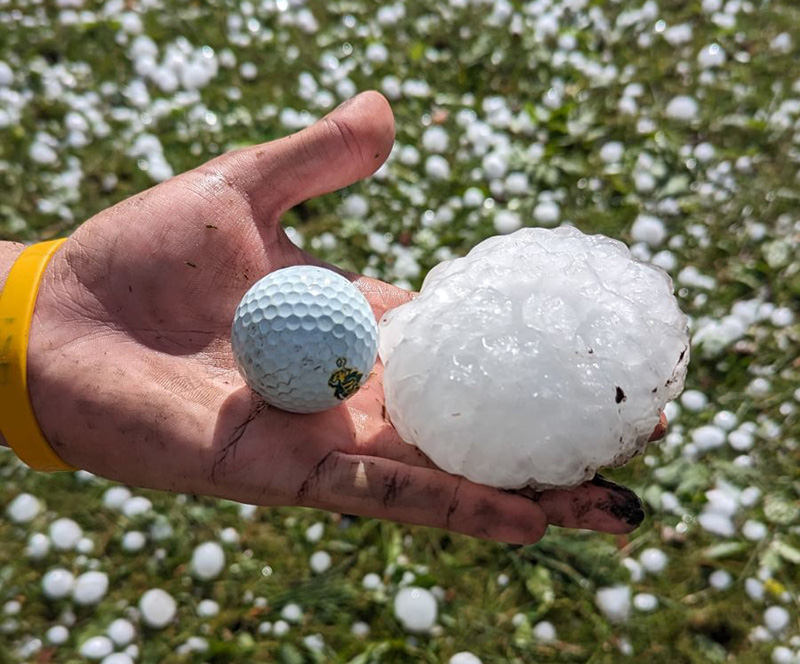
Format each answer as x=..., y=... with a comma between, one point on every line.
x=17, y=301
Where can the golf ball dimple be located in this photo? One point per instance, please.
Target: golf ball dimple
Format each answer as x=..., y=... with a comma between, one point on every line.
x=304, y=338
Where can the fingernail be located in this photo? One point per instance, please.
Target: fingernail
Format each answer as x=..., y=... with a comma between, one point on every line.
x=621, y=502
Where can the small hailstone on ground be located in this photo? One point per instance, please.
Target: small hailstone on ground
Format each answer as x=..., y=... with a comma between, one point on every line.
x=782, y=317
x=65, y=533
x=85, y=545
x=38, y=546
x=136, y=506
x=292, y=613
x=42, y=153
x=708, y=437
x=434, y=139
x=678, y=34
x=248, y=71
x=694, y=400
x=649, y=229
x=720, y=579
x=57, y=635
x=654, y=560
x=57, y=583
x=544, y=632
x=750, y=496
x=634, y=568
x=758, y=387
x=315, y=532
x=265, y=627
x=376, y=53
x=121, y=632
x=416, y=609
x=754, y=531
x=683, y=108
x=97, y=647
x=517, y=184
x=115, y=497
x=494, y=165
x=133, y=541
x=507, y=221
x=547, y=213
x=208, y=561
x=754, y=589
x=6, y=74
x=464, y=657
x=9, y=626
x=782, y=43
x=248, y=512
x=776, y=619
x=473, y=197
x=314, y=642
x=208, y=608
x=280, y=628
x=356, y=206
x=726, y=420
x=487, y=325
x=157, y=607
x=118, y=658
x=612, y=152
x=741, y=440
x=359, y=629
x=371, y=581
x=760, y=634
x=502, y=580
x=12, y=607
x=711, y=56
x=615, y=603
x=436, y=167
x=645, y=602
x=407, y=579
x=160, y=530
x=704, y=152
x=783, y=655
x=24, y=508
x=320, y=562
x=90, y=588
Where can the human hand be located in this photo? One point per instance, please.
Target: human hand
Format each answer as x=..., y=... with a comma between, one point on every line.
x=131, y=373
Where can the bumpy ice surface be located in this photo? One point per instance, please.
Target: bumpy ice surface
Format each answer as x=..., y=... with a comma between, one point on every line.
x=304, y=338
x=535, y=359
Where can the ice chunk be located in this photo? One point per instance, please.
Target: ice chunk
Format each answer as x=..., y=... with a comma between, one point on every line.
x=536, y=359
x=416, y=609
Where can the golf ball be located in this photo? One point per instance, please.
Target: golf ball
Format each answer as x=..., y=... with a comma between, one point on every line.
x=304, y=338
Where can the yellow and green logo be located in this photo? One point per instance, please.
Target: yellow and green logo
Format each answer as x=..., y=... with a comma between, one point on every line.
x=345, y=380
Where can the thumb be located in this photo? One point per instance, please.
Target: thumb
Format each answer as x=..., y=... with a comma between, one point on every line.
x=345, y=146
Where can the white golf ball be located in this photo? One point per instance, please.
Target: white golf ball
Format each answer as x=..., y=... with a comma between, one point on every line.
x=304, y=338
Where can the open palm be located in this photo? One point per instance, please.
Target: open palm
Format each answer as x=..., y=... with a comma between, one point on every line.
x=132, y=375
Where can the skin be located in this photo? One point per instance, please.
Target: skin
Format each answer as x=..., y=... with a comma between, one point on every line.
x=132, y=377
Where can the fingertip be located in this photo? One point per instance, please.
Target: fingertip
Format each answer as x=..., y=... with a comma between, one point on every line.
x=597, y=505
x=368, y=117
x=661, y=429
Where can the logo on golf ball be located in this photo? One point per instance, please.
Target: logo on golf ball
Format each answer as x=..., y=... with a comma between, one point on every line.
x=345, y=380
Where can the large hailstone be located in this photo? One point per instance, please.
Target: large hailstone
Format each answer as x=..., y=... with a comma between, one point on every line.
x=536, y=359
